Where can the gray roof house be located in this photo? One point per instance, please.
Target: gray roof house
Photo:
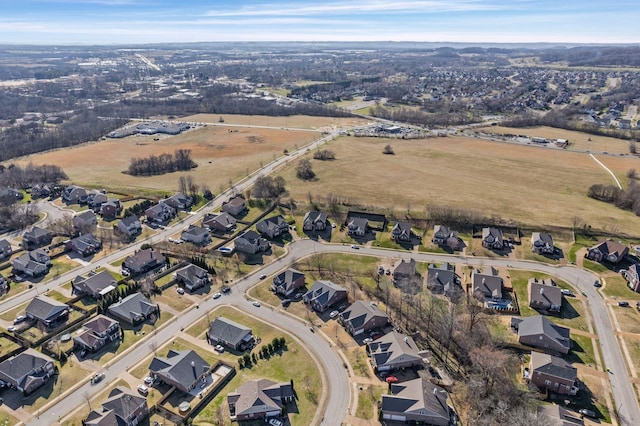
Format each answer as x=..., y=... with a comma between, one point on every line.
x=607, y=250
x=273, y=226
x=234, y=206
x=110, y=208
x=33, y=263
x=129, y=226
x=324, y=294
x=85, y=221
x=250, y=242
x=545, y=295
x=94, y=284
x=314, y=221
x=488, y=285
x=47, y=311
x=193, y=277
x=404, y=271
x=37, y=237
x=26, y=371
x=443, y=236
x=5, y=249
x=542, y=243
x=143, y=261
x=443, y=280
x=222, y=222
x=357, y=226
x=73, y=194
x=160, y=213
x=288, y=281
x=553, y=374
x=84, y=245
x=196, y=235
x=179, y=201
x=182, y=369
x=96, y=333
x=416, y=400
x=394, y=351
x=492, y=238
x=259, y=399
x=539, y=332
x=361, y=317
x=123, y=407
x=229, y=333
x=133, y=309
x=633, y=277
x=402, y=231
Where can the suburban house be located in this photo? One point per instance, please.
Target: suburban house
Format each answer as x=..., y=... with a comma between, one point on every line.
x=33, y=263
x=492, y=238
x=73, y=194
x=554, y=374
x=143, y=261
x=95, y=199
x=633, y=277
x=26, y=371
x=111, y=208
x=179, y=201
x=134, y=309
x=443, y=236
x=545, y=295
x=314, y=221
x=192, y=277
x=182, y=369
x=258, y=399
x=123, y=407
x=362, y=317
x=47, y=311
x=129, y=226
x=487, y=284
x=223, y=222
x=196, y=235
x=542, y=243
x=273, y=227
x=324, y=294
x=557, y=415
x=394, y=351
x=539, y=332
x=250, y=242
x=288, y=281
x=84, y=245
x=95, y=284
x=402, y=232
x=37, y=237
x=96, y=333
x=443, y=280
x=223, y=331
x=416, y=401
x=4, y=285
x=235, y=206
x=404, y=272
x=160, y=213
x=607, y=250
x=5, y=249
x=10, y=195
x=357, y=226
x=41, y=190
x=85, y=221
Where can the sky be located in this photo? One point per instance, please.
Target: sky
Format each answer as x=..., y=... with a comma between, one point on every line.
x=163, y=21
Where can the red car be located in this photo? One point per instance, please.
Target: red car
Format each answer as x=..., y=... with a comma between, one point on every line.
x=391, y=379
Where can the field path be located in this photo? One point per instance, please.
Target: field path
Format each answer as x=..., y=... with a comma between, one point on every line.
x=607, y=169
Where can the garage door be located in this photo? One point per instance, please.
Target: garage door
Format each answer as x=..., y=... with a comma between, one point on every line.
x=394, y=417
x=384, y=368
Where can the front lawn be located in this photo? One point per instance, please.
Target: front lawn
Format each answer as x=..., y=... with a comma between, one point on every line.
x=582, y=350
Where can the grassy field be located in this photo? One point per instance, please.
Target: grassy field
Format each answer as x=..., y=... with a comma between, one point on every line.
x=222, y=156
x=582, y=350
x=485, y=176
x=367, y=398
x=295, y=121
x=577, y=140
x=616, y=286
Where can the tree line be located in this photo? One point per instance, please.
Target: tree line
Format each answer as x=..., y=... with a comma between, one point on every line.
x=180, y=160
x=628, y=199
x=15, y=176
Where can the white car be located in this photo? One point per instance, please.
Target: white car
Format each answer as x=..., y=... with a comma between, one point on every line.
x=219, y=348
x=216, y=295
x=256, y=303
x=367, y=340
x=355, y=246
x=143, y=390
x=275, y=422
x=148, y=380
x=180, y=290
x=334, y=314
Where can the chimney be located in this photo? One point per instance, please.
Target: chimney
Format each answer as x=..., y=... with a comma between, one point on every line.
x=541, y=291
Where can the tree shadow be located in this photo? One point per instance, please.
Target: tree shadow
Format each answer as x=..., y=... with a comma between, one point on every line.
x=583, y=399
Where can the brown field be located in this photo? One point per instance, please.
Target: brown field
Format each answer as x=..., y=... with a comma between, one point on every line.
x=525, y=184
x=295, y=121
x=578, y=140
x=222, y=156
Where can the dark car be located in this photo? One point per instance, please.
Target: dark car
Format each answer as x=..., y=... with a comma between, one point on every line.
x=623, y=304
x=597, y=284
x=226, y=289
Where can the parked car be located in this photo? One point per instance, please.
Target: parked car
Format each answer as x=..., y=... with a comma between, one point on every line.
x=19, y=319
x=149, y=380
x=391, y=379
x=566, y=292
x=263, y=276
x=623, y=304
x=219, y=348
x=367, y=340
x=226, y=289
x=587, y=413
x=334, y=314
x=355, y=246
x=180, y=290
x=256, y=303
x=275, y=422
x=216, y=295
x=143, y=390
x=97, y=378
x=597, y=283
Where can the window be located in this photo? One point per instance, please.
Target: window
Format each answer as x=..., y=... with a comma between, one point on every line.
x=547, y=382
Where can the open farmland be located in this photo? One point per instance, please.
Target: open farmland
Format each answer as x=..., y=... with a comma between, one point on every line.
x=292, y=122
x=527, y=184
x=223, y=154
x=577, y=140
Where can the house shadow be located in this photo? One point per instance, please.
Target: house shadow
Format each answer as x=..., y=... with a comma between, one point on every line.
x=576, y=349
x=583, y=399
x=257, y=258
x=282, y=240
x=202, y=290
x=367, y=237
x=557, y=254
x=567, y=311
x=323, y=235
x=109, y=348
x=77, y=256
x=292, y=407
x=16, y=400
